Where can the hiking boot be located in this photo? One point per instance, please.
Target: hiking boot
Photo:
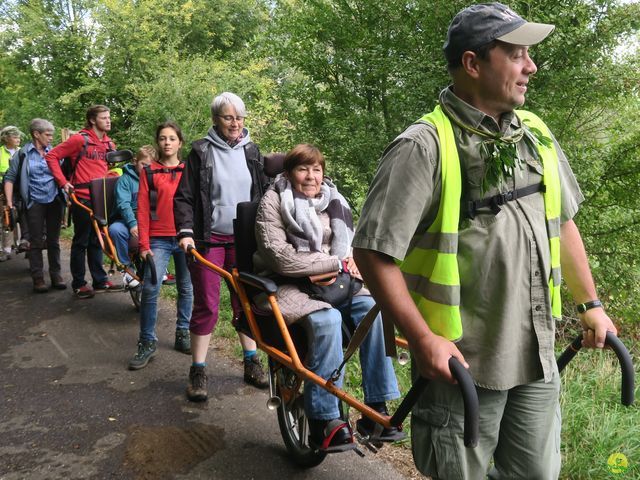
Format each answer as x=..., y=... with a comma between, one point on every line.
x=84, y=291
x=57, y=282
x=4, y=256
x=376, y=433
x=39, y=286
x=254, y=373
x=197, y=388
x=146, y=351
x=108, y=286
x=183, y=341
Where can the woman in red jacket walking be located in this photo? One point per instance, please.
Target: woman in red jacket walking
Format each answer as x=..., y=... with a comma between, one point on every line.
x=157, y=236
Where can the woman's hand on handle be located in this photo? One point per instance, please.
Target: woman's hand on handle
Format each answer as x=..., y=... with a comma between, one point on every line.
x=185, y=242
x=144, y=253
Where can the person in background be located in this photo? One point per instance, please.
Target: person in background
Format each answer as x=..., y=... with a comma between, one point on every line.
x=87, y=153
x=43, y=201
x=10, y=138
x=157, y=236
x=125, y=224
x=481, y=283
x=224, y=168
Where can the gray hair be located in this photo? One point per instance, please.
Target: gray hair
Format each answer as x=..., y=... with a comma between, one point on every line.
x=228, y=98
x=9, y=131
x=40, y=125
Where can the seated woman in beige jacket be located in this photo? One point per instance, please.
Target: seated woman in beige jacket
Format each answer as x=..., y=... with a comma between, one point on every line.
x=304, y=227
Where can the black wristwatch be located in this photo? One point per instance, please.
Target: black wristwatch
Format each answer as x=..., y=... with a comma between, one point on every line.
x=583, y=307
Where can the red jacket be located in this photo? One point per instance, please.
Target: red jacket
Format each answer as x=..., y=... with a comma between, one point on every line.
x=166, y=185
x=93, y=163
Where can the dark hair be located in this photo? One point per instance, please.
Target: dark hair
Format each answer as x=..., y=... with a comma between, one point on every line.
x=175, y=127
x=303, y=154
x=482, y=52
x=92, y=113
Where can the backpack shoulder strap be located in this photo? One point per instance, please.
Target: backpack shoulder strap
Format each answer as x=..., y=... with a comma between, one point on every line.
x=153, y=193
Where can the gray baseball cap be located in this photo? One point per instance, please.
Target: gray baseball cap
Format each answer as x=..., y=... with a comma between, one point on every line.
x=480, y=24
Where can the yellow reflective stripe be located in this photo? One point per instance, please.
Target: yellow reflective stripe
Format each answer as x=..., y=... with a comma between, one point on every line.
x=444, y=242
x=436, y=292
x=554, y=247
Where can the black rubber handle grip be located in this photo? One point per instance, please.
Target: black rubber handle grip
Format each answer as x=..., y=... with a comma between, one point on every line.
x=469, y=398
x=626, y=365
x=152, y=268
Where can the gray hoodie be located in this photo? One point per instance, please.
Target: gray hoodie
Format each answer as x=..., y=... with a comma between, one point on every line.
x=230, y=182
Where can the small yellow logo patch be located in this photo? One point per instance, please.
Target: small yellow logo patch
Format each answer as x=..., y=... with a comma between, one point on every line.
x=617, y=463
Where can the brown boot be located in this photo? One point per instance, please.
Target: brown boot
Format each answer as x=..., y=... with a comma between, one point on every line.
x=39, y=286
x=197, y=388
x=57, y=282
x=254, y=373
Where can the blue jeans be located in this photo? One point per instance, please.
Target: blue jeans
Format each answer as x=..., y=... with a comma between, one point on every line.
x=163, y=248
x=120, y=234
x=324, y=335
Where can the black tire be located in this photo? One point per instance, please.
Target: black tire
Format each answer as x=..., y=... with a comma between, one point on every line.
x=136, y=296
x=292, y=420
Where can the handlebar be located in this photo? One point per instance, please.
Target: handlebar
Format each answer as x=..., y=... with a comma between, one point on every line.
x=626, y=365
x=469, y=398
x=152, y=268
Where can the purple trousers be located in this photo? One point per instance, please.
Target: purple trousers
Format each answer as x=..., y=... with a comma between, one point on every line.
x=206, y=286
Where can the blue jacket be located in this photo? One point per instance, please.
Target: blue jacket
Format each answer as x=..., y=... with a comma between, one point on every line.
x=126, y=197
x=21, y=191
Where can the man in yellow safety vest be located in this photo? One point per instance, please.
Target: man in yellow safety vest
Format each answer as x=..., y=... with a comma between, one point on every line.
x=462, y=239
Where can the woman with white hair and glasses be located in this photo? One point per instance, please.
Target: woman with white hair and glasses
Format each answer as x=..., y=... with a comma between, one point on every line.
x=224, y=168
x=43, y=200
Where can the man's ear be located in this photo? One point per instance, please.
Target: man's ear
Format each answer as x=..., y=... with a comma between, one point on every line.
x=470, y=63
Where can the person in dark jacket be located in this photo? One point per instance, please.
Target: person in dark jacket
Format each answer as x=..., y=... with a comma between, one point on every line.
x=87, y=151
x=223, y=169
x=125, y=223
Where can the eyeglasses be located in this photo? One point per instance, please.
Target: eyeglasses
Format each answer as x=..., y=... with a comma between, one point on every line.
x=230, y=118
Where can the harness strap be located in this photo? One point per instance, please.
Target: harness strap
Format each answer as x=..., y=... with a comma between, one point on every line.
x=500, y=199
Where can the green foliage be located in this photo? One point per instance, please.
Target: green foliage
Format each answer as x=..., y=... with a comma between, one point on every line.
x=595, y=424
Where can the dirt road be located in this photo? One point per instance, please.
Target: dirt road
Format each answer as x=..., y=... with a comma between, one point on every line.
x=69, y=408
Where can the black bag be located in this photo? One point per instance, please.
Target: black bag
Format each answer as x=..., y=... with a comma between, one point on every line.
x=337, y=293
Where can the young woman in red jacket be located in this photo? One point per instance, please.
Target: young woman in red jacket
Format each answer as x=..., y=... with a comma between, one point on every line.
x=157, y=236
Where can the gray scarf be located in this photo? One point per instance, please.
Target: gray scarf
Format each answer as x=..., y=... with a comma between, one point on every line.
x=303, y=226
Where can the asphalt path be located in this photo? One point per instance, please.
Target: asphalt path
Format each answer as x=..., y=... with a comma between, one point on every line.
x=70, y=409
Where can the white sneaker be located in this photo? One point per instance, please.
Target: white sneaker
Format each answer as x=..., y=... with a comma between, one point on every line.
x=129, y=281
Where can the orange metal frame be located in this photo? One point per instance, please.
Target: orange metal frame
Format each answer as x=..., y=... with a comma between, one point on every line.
x=106, y=243
x=292, y=360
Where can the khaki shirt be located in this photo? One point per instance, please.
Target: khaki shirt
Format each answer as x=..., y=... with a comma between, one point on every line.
x=503, y=259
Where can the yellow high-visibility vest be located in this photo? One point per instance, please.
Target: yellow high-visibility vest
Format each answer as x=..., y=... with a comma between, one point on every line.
x=430, y=269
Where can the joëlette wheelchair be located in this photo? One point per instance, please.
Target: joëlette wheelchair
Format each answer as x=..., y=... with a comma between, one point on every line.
x=286, y=347
x=101, y=201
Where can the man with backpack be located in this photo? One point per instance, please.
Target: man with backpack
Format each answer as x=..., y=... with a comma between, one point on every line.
x=74, y=163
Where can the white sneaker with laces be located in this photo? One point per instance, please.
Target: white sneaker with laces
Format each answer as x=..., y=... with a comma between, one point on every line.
x=129, y=281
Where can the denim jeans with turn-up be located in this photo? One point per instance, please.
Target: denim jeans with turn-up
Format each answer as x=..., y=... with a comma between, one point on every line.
x=163, y=248
x=324, y=335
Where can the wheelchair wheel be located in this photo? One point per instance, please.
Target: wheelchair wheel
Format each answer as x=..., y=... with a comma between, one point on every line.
x=292, y=420
x=136, y=296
